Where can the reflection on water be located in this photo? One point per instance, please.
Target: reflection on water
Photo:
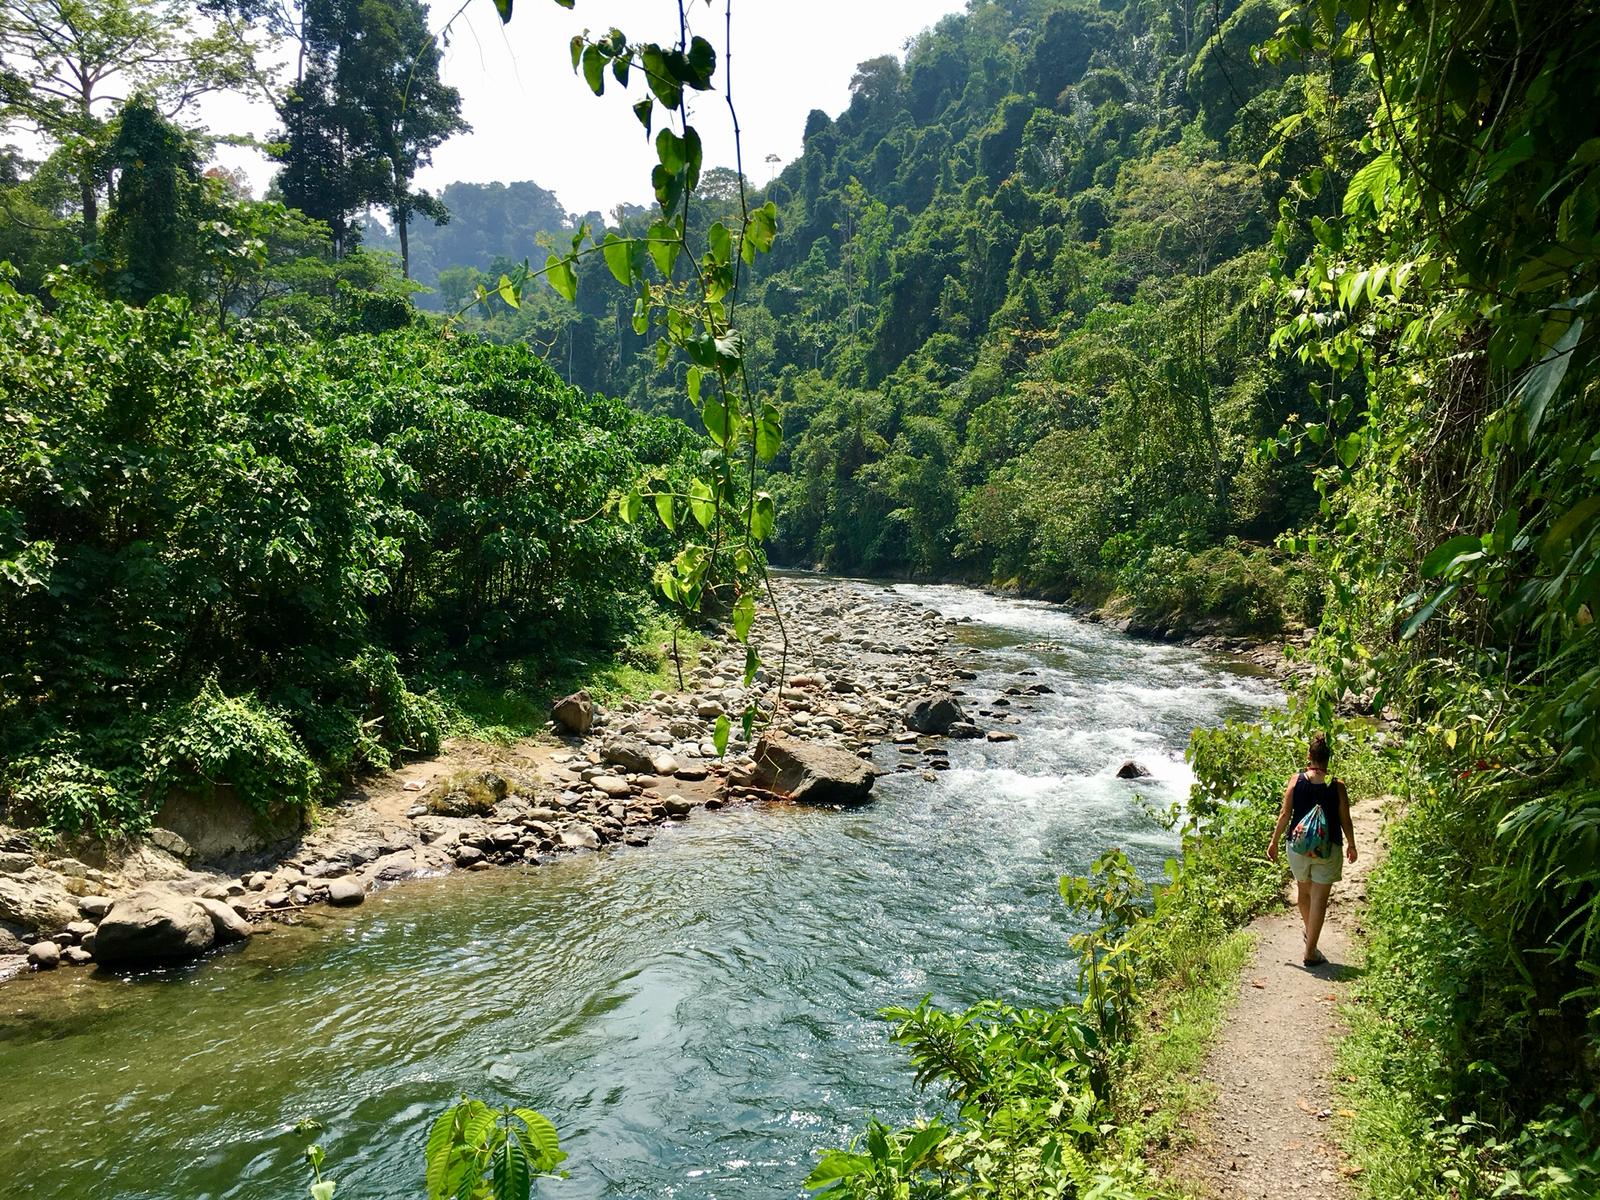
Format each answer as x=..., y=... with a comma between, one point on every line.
x=697, y=1017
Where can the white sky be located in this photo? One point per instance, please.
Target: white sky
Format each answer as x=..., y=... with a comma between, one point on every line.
x=532, y=118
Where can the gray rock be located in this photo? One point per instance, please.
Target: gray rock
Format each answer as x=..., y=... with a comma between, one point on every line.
x=78, y=956
x=574, y=713
x=346, y=893
x=1001, y=735
x=276, y=900
x=15, y=862
x=629, y=756
x=965, y=729
x=78, y=930
x=1132, y=770
x=11, y=940
x=812, y=772
x=936, y=712
x=612, y=786
x=227, y=925
x=36, y=899
x=44, y=956
x=466, y=856
x=94, y=907
x=580, y=837
x=393, y=867
x=172, y=843
x=662, y=763
x=691, y=773
x=153, y=926
x=677, y=807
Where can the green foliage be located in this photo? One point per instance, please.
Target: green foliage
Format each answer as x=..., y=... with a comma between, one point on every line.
x=233, y=740
x=476, y=1152
x=223, y=558
x=1012, y=316
x=1435, y=268
x=722, y=563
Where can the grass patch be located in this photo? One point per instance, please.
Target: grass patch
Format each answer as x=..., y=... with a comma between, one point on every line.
x=1158, y=1092
x=516, y=705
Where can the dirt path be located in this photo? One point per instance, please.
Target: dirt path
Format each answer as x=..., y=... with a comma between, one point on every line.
x=1270, y=1131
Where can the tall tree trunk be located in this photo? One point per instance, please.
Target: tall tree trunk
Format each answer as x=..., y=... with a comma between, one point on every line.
x=91, y=206
x=402, y=219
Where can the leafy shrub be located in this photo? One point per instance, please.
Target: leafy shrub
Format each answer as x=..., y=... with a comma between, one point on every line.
x=217, y=739
x=54, y=787
x=314, y=524
x=1245, y=587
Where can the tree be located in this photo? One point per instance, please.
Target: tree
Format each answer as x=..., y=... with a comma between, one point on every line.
x=156, y=182
x=368, y=109
x=66, y=65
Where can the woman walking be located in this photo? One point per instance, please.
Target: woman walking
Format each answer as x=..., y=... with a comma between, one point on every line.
x=1316, y=809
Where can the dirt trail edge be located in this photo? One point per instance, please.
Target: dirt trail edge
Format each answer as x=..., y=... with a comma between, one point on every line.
x=1270, y=1131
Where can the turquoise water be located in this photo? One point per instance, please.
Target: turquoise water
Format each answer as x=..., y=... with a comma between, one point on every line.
x=697, y=1017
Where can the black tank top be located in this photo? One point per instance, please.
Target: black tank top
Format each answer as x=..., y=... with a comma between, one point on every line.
x=1307, y=795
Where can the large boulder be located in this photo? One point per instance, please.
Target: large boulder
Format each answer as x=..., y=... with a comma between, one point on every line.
x=934, y=713
x=574, y=713
x=630, y=756
x=1133, y=770
x=153, y=926
x=811, y=772
x=226, y=924
x=36, y=899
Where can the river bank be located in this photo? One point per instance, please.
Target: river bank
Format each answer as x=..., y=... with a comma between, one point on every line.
x=856, y=661
x=699, y=1017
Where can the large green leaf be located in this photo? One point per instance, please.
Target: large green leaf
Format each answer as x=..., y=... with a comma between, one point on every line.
x=1448, y=553
x=559, y=273
x=1545, y=376
x=513, y=1173
x=619, y=258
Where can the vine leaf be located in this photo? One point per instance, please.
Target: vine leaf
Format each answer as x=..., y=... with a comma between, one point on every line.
x=594, y=70
x=503, y=7
x=618, y=259
x=508, y=291
x=664, y=511
x=763, y=516
x=1453, y=552
x=721, y=733
x=744, y=616
x=1545, y=376
x=769, y=433
x=562, y=277
x=702, y=502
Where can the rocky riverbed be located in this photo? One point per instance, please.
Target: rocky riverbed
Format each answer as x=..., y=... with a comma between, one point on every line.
x=859, y=670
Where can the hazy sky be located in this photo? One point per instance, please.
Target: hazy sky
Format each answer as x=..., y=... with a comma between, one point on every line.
x=532, y=118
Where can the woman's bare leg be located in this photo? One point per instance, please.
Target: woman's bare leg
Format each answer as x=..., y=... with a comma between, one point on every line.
x=1302, y=897
x=1316, y=911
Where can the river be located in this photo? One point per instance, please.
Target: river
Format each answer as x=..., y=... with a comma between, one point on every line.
x=697, y=1016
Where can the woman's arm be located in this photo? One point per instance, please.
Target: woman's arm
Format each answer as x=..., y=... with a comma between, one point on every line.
x=1344, y=820
x=1284, y=811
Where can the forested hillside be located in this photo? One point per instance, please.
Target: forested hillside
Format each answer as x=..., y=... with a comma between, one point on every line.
x=488, y=228
x=1014, y=320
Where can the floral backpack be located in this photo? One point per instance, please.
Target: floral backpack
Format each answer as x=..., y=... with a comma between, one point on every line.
x=1310, y=835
